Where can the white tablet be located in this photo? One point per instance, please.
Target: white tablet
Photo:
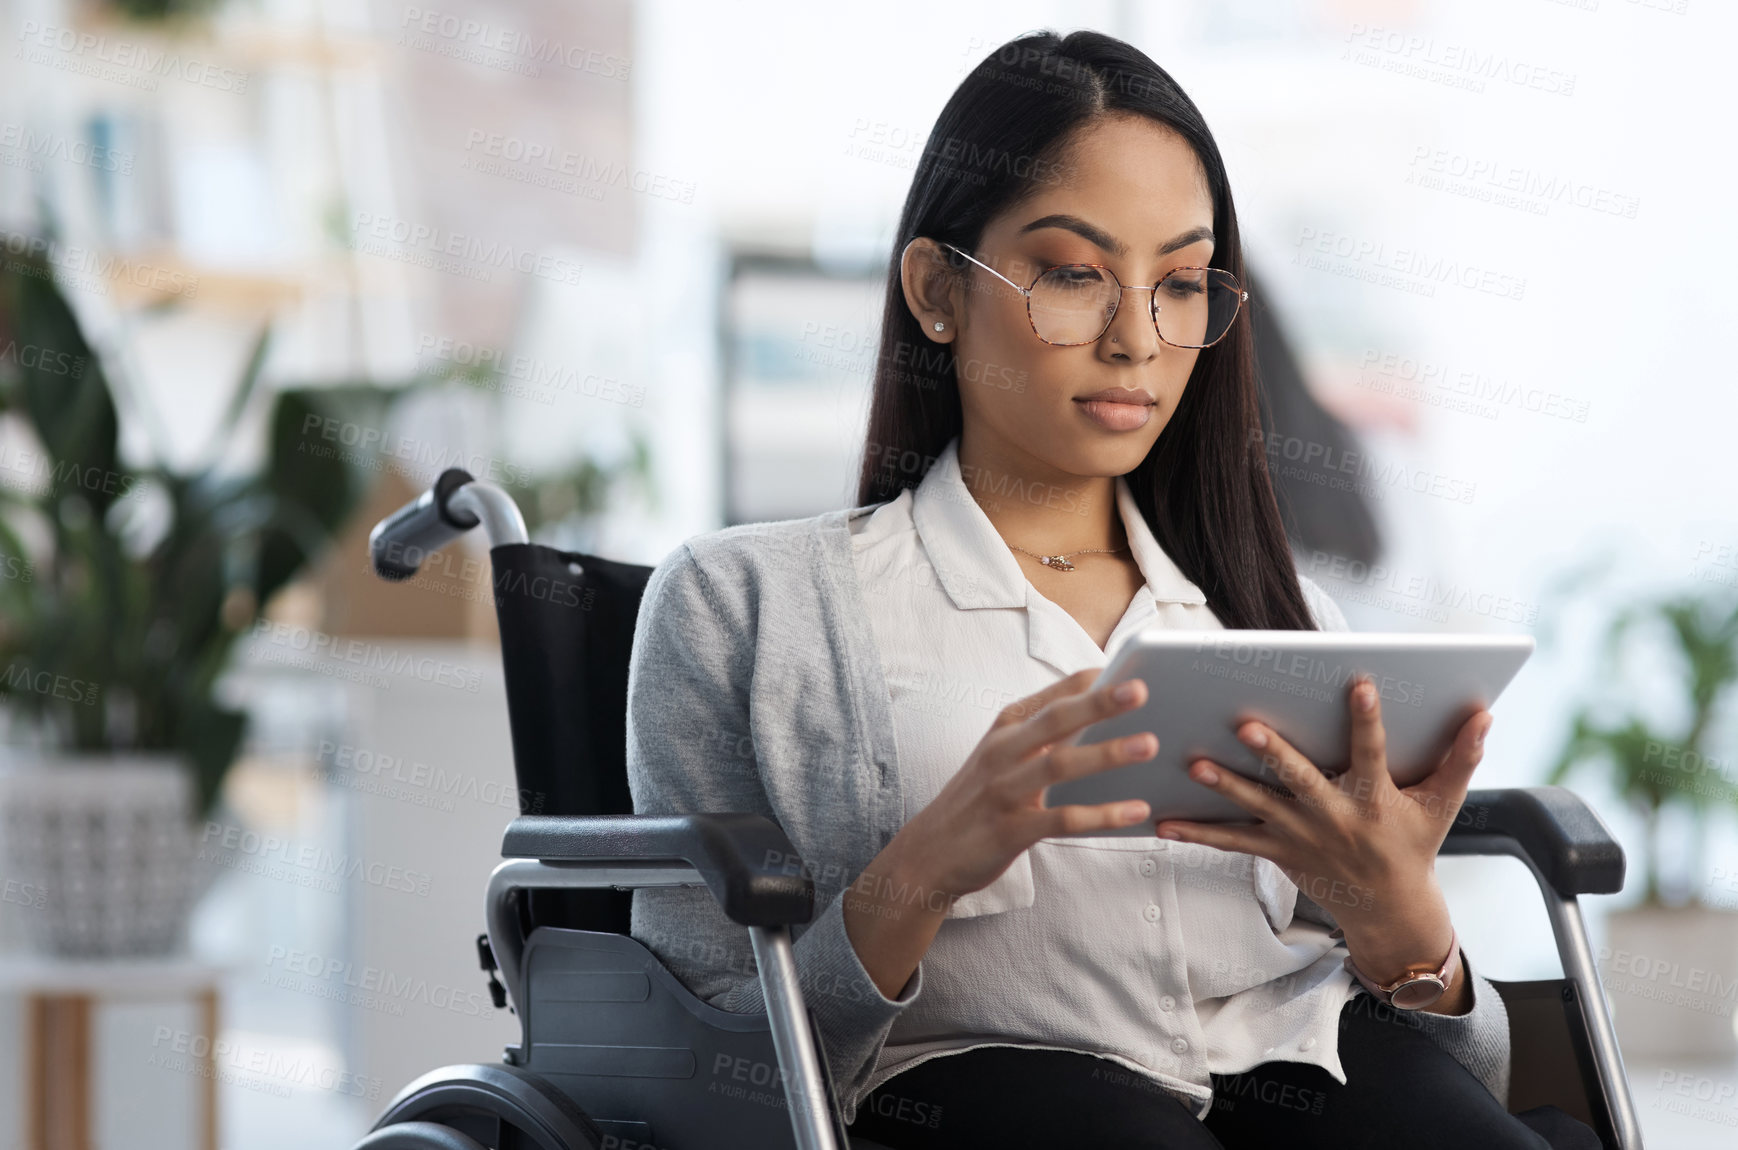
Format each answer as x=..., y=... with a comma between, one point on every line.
x=1201, y=685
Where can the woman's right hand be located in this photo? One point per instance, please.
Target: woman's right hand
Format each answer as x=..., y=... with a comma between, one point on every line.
x=989, y=812
x=992, y=809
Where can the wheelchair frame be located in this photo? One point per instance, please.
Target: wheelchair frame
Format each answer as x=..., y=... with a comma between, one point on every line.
x=1551, y=829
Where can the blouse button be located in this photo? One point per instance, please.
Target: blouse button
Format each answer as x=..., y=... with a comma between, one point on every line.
x=1148, y=866
x=1306, y=1044
x=1179, y=1044
x=1166, y=1002
x=1152, y=912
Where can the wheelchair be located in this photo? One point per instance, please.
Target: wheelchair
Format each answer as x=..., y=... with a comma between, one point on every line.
x=614, y=1052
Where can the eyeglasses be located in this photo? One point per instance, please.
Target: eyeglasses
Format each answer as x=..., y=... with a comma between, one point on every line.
x=1073, y=304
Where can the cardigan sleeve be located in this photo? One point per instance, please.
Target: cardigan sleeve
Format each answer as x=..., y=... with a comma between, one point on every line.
x=1478, y=1039
x=689, y=750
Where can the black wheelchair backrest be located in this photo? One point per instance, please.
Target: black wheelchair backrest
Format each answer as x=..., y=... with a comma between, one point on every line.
x=567, y=633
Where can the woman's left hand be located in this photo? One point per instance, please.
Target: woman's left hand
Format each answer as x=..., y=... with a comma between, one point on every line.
x=1357, y=844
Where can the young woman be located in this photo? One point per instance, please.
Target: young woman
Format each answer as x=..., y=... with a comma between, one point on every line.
x=1063, y=449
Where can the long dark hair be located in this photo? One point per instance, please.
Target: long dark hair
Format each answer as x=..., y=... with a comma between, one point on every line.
x=1203, y=488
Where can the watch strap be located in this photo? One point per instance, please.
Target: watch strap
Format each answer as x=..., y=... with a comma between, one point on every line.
x=1385, y=994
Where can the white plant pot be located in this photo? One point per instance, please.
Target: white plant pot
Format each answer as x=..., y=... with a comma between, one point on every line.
x=98, y=851
x=1671, y=976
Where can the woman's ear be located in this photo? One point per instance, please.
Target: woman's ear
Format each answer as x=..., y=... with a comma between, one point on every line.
x=929, y=288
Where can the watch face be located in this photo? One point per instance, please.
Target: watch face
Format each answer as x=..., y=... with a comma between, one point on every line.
x=1419, y=994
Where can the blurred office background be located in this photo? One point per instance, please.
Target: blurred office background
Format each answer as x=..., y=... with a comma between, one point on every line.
x=626, y=258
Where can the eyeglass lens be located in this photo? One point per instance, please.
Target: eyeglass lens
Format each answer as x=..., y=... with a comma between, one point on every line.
x=1192, y=307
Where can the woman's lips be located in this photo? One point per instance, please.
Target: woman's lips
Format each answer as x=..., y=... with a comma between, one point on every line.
x=1116, y=416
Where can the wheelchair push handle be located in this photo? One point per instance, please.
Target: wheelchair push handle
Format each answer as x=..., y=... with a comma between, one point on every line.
x=455, y=504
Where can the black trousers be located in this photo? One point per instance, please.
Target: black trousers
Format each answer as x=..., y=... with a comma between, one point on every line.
x=1402, y=1090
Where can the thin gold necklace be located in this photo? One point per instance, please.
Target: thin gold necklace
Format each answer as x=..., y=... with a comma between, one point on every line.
x=1060, y=562
x=1055, y=562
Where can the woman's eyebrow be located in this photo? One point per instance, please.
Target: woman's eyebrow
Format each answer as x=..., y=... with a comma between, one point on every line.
x=1103, y=239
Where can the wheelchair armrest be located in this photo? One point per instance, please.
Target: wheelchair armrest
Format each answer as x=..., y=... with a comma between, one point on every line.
x=746, y=860
x=1552, y=826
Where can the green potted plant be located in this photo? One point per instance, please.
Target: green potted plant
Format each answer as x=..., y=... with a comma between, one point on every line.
x=1671, y=963
x=122, y=592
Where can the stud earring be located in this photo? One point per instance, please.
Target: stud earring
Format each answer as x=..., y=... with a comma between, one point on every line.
x=939, y=326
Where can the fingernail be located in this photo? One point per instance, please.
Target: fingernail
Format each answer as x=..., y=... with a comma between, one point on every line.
x=1366, y=697
x=1206, y=774
x=1125, y=693
x=1170, y=835
x=1133, y=812
x=1254, y=736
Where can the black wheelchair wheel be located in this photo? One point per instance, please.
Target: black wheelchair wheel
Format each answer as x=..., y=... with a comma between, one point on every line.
x=492, y=1108
x=418, y=1136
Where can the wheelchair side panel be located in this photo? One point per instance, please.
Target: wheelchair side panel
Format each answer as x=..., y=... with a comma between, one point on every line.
x=608, y=1025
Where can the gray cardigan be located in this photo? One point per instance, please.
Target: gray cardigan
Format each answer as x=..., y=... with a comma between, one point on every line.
x=756, y=686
